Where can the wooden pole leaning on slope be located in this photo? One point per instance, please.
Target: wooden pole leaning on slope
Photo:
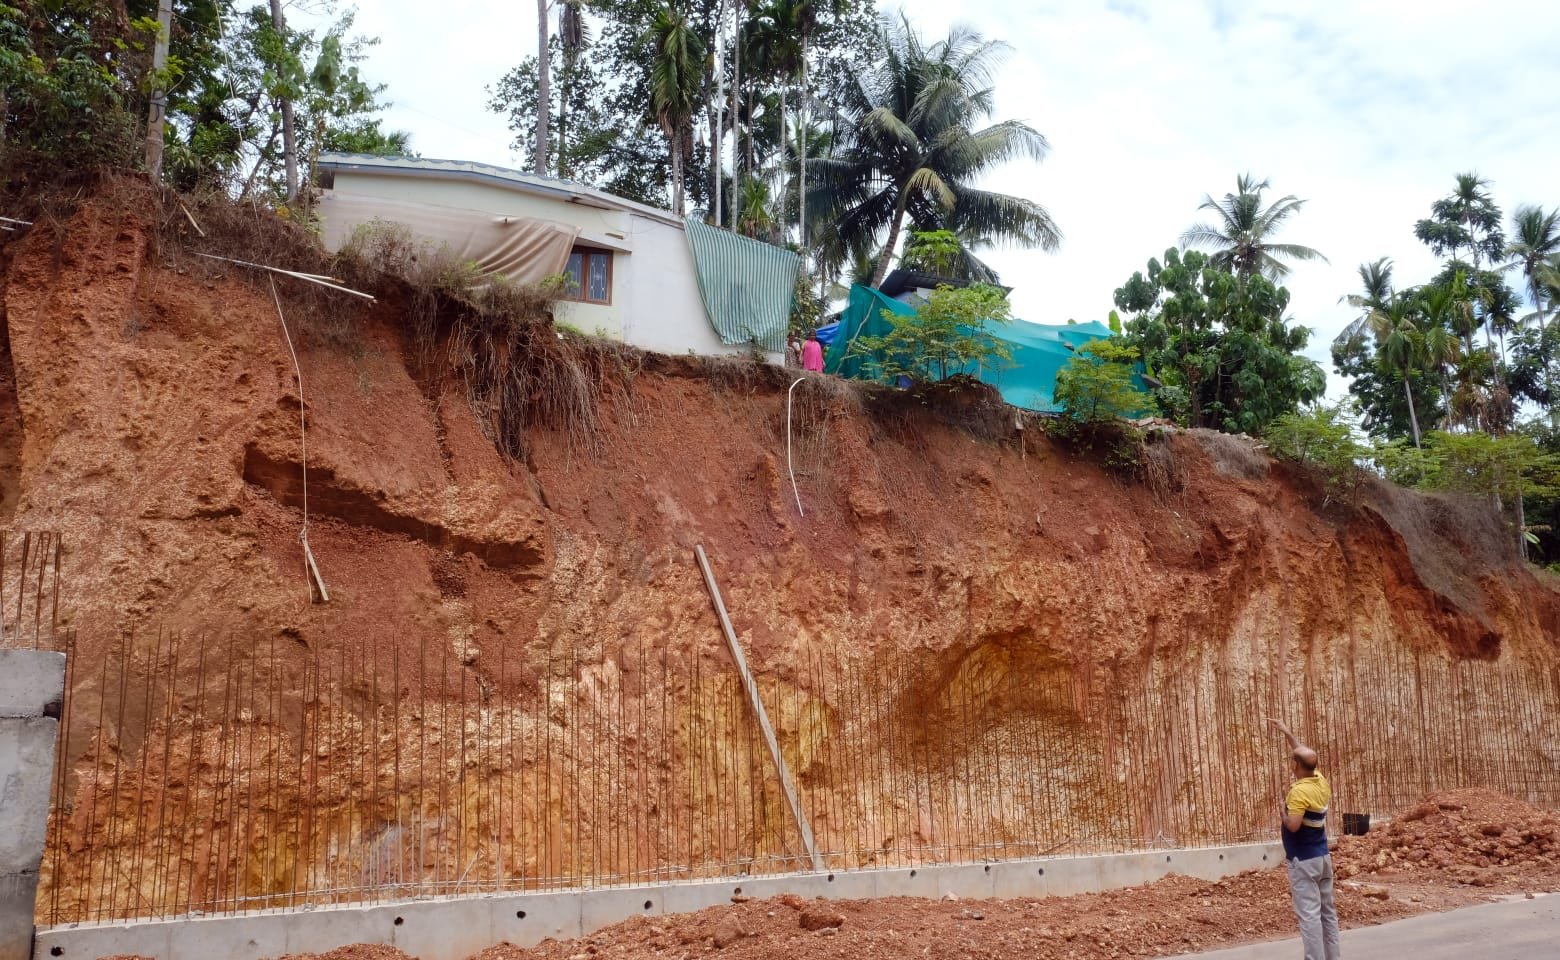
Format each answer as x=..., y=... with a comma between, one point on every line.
x=786, y=783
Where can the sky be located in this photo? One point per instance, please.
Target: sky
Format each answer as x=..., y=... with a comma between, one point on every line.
x=1366, y=110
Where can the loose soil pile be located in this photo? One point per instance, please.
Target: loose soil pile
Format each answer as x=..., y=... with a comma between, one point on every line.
x=1475, y=837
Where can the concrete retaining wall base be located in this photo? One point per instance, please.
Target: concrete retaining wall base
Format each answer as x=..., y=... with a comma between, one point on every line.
x=32, y=684
x=456, y=927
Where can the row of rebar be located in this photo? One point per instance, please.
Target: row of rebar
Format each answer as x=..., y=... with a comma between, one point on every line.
x=29, y=589
x=211, y=775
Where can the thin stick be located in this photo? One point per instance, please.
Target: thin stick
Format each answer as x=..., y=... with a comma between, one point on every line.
x=191, y=217
x=789, y=468
x=310, y=277
x=311, y=569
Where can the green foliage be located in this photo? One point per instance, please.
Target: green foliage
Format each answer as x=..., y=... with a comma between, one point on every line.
x=1222, y=340
x=606, y=135
x=937, y=252
x=1321, y=438
x=68, y=84
x=949, y=335
x=1096, y=383
x=807, y=307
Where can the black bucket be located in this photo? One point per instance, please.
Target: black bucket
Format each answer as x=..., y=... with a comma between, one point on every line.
x=1356, y=824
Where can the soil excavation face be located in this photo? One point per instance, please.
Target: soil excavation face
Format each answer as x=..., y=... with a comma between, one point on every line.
x=958, y=599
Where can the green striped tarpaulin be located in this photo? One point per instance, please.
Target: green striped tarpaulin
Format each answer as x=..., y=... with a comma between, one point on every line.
x=747, y=285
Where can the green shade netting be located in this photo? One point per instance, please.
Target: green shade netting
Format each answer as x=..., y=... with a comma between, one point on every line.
x=747, y=285
x=1029, y=381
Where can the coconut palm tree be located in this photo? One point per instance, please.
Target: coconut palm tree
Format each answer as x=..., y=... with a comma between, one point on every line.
x=912, y=148
x=675, y=79
x=1240, y=240
x=1536, y=238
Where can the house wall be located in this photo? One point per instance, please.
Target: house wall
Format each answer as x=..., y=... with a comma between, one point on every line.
x=655, y=295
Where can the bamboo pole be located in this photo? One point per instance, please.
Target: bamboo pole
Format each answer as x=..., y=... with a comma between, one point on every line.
x=762, y=716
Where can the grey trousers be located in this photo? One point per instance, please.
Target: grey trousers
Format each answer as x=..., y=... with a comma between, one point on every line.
x=1311, y=888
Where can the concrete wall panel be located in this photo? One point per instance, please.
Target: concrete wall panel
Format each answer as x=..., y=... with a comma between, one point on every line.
x=453, y=928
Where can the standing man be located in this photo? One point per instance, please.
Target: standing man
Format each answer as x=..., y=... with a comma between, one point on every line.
x=1304, y=832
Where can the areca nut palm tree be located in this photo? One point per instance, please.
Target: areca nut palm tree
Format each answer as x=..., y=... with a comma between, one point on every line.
x=1400, y=346
x=675, y=80
x=913, y=146
x=1241, y=237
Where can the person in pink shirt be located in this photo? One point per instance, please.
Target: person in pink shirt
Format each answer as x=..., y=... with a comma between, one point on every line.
x=812, y=354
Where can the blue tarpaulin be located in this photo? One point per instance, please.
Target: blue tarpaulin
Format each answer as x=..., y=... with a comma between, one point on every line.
x=1029, y=381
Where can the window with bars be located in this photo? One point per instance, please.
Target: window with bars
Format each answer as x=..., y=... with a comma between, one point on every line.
x=590, y=275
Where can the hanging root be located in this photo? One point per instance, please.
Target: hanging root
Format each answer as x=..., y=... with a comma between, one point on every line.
x=520, y=373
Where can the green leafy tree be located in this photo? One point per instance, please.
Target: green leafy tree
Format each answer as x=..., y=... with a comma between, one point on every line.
x=1221, y=340
x=1241, y=238
x=1320, y=438
x=950, y=334
x=69, y=75
x=913, y=147
x=1096, y=383
x=1508, y=470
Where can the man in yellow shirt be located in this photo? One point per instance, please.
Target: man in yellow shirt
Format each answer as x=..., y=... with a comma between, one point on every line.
x=1304, y=832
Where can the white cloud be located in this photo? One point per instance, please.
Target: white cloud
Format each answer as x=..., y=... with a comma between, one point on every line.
x=1365, y=109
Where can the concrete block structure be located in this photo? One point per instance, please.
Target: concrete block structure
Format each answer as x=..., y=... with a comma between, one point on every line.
x=32, y=686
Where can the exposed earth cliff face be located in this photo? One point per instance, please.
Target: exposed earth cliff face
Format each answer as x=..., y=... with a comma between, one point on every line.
x=151, y=415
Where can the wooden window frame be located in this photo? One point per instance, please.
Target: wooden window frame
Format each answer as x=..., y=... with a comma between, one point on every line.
x=583, y=296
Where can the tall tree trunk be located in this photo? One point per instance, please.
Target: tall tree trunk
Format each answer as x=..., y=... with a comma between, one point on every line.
x=289, y=133
x=543, y=89
x=801, y=137
x=158, y=111
x=563, y=113
x=780, y=220
x=887, y=256
x=1413, y=418
x=736, y=114
x=677, y=172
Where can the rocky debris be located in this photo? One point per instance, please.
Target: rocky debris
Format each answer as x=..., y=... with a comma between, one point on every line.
x=819, y=918
x=728, y=932
x=1474, y=837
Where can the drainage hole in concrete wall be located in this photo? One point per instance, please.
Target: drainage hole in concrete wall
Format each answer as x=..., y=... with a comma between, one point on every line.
x=912, y=873
x=399, y=921
x=737, y=892
x=1040, y=872
x=648, y=904
x=56, y=951
x=1167, y=858
x=831, y=878
x=1221, y=856
x=988, y=868
x=1264, y=856
x=519, y=914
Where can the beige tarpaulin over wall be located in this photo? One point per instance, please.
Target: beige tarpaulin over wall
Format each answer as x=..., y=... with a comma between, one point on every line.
x=525, y=249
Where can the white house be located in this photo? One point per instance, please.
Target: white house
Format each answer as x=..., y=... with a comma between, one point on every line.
x=633, y=270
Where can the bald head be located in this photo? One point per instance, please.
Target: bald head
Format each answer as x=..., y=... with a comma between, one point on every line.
x=1306, y=759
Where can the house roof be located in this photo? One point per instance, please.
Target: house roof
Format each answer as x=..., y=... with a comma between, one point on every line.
x=555, y=187
x=901, y=280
